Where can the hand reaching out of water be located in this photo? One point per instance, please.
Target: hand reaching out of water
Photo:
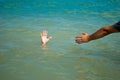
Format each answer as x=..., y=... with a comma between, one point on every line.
x=45, y=38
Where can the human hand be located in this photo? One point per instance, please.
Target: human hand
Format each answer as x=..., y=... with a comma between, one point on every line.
x=82, y=39
x=45, y=38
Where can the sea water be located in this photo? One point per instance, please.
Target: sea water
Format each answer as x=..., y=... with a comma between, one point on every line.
x=21, y=55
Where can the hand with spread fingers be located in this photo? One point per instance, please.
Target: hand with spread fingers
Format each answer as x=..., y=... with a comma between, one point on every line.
x=82, y=39
x=45, y=38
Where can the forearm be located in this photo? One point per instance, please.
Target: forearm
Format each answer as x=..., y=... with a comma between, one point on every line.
x=102, y=32
x=98, y=34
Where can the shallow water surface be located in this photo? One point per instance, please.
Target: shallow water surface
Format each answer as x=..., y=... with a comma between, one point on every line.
x=22, y=58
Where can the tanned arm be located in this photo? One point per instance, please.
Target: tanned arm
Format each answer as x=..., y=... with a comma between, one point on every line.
x=98, y=34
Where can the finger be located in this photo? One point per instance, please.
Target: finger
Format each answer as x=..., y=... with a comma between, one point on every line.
x=78, y=37
x=84, y=33
x=41, y=34
x=45, y=33
x=50, y=37
x=78, y=42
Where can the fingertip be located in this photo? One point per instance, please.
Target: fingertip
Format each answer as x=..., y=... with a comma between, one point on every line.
x=84, y=33
x=50, y=37
x=41, y=34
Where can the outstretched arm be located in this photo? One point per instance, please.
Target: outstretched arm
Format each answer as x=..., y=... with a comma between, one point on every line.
x=44, y=38
x=98, y=34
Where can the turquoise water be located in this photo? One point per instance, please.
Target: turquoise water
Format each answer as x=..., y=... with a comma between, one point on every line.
x=21, y=57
